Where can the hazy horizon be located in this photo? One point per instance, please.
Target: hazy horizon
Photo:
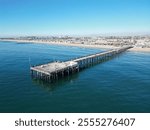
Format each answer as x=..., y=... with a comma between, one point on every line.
x=78, y=35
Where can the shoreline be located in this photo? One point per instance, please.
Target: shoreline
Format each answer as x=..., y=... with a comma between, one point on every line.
x=136, y=49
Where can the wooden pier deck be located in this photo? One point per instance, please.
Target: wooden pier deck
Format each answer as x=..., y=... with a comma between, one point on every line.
x=55, y=70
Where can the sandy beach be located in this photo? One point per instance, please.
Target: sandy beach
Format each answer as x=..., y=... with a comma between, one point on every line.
x=137, y=49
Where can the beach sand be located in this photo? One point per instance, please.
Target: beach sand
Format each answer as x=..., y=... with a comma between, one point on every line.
x=138, y=49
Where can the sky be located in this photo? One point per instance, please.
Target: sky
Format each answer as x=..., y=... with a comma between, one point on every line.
x=74, y=17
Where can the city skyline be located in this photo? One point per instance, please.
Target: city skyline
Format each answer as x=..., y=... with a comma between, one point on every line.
x=74, y=17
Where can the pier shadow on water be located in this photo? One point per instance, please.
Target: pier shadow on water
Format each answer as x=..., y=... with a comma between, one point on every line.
x=52, y=86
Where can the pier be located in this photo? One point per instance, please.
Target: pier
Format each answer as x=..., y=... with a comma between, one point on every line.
x=58, y=69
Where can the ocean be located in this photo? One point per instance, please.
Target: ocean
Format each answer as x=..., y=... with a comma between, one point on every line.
x=121, y=84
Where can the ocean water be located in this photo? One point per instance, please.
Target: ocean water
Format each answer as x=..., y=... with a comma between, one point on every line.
x=121, y=84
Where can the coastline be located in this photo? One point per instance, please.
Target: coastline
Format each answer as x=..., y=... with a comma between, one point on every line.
x=136, y=49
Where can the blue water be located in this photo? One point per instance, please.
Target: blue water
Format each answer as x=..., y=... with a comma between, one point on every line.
x=121, y=84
